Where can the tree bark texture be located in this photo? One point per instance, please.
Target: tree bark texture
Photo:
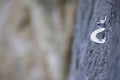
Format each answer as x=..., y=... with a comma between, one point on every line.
x=92, y=61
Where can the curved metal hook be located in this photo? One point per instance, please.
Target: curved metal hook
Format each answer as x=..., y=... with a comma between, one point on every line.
x=95, y=39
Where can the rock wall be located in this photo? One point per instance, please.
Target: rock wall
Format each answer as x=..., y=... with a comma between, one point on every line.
x=90, y=60
x=35, y=39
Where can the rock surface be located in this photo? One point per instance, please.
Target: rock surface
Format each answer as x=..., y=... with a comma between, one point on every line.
x=92, y=61
x=35, y=39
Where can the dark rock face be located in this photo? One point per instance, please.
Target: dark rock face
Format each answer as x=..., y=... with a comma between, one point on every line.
x=92, y=61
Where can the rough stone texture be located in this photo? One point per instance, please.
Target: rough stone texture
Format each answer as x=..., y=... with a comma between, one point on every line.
x=92, y=61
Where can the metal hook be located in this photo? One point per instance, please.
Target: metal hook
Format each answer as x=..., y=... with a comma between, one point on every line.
x=94, y=34
x=99, y=30
x=102, y=21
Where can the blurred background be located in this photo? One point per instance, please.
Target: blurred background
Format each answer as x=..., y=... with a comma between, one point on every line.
x=35, y=39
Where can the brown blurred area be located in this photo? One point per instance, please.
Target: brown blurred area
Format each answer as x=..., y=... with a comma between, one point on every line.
x=35, y=39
